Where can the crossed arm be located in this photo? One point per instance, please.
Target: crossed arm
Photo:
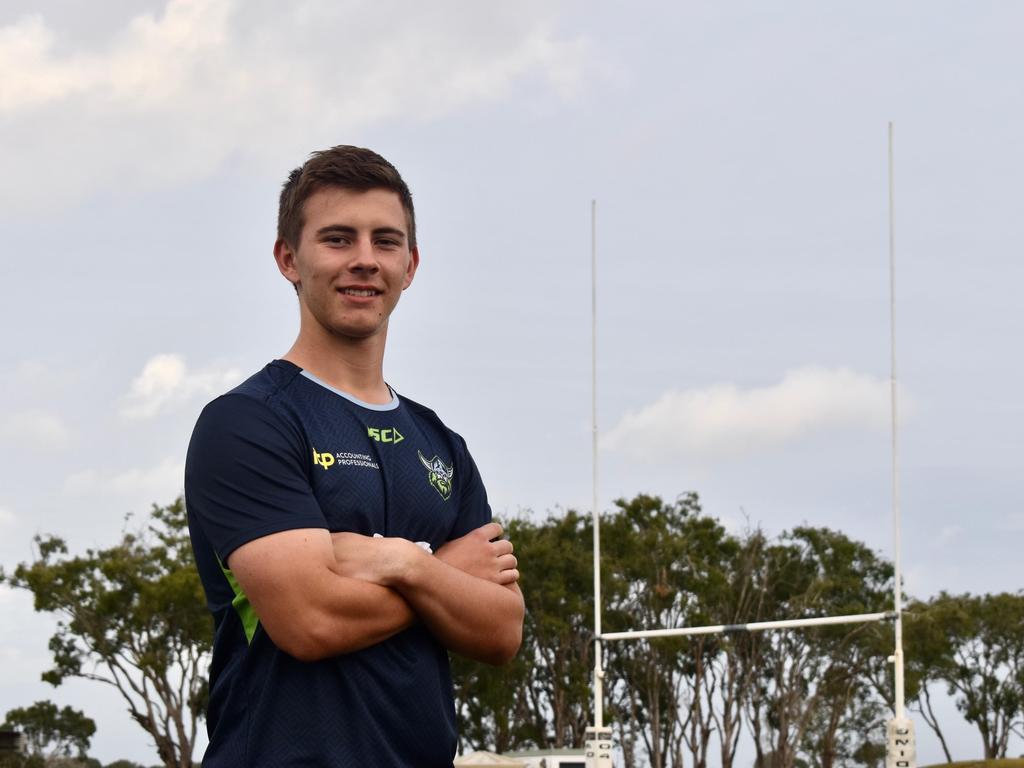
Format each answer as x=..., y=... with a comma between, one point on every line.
x=319, y=594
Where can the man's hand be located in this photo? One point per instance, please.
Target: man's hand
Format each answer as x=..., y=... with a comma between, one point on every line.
x=379, y=560
x=482, y=554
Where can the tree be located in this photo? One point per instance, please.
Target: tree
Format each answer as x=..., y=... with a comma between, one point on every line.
x=852, y=579
x=51, y=732
x=671, y=568
x=809, y=697
x=812, y=685
x=542, y=699
x=743, y=600
x=644, y=553
x=133, y=617
x=986, y=669
x=928, y=654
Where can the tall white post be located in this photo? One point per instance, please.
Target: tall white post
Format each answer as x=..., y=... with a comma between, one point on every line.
x=901, y=747
x=595, y=511
x=598, y=746
x=897, y=575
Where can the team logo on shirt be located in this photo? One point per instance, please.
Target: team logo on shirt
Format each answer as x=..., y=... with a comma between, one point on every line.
x=439, y=474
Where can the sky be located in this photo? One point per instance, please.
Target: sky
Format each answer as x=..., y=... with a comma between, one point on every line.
x=737, y=152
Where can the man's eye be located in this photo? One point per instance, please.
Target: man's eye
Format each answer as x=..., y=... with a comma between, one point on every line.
x=337, y=240
x=387, y=243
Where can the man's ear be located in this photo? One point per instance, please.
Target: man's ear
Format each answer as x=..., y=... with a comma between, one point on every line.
x=410, y=270
x=284, y=255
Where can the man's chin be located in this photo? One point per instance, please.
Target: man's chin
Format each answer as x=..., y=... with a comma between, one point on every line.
x=355, y=332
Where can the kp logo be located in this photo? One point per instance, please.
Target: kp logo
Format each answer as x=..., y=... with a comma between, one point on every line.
x=325, y=459
x=439, y=474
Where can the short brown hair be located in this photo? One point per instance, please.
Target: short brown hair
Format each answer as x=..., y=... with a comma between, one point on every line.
x=343, y=166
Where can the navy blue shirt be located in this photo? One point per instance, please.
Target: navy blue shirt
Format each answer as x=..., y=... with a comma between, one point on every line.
x=284, y=451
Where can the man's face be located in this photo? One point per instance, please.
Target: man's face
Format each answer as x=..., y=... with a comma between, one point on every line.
x=352, y=261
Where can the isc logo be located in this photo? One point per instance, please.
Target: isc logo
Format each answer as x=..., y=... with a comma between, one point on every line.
x=325, y=459
x=385, y=435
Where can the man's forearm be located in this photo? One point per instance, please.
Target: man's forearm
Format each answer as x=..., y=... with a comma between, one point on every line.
x=358, y=614
x=306, y=604
x=466, y=594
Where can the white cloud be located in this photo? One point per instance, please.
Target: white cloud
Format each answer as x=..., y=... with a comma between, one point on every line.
x=163, y=481
x=165, y=380
x=148, y=63
x=37, y=428
x=170, y=97
x=725, y=420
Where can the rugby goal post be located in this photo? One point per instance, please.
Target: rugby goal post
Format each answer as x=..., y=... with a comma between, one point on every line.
x=901, y=747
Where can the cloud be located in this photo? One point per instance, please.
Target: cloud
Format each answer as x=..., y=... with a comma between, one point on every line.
x=148, y=64
x=37, y=428
x=725, y=420
x=162, y=481
x=169, y=97
x=165, y=380
x=6, y=517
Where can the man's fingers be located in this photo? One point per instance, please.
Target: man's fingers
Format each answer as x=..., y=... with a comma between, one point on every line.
x=502, y=547
x=507, y=562
x=490, y=531
x=507, y=577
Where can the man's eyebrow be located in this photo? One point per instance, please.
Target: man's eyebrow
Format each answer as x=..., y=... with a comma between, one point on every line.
x=344, y=229
x=335, y=228
x=389, y=231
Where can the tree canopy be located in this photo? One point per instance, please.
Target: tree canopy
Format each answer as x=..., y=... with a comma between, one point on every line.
x=50, y=732
x=810, y=697
x=132, y=616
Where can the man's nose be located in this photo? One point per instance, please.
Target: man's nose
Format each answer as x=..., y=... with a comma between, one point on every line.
x=364, y=257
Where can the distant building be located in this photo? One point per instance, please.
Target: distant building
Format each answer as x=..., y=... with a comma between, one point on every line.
x=487, y=760
x=551, y=758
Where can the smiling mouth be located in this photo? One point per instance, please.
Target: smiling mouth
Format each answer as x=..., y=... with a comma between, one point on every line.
x=364, y=292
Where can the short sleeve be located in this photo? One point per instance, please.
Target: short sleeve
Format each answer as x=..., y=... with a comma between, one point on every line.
x=245, y=476
x=474, y=510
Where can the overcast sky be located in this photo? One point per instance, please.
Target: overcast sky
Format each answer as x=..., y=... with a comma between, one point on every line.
x=738, y=155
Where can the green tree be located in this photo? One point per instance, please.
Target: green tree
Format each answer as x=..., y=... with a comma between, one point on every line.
x=133, y=617
x=51, y=732
x=853, y=579
x=542, y=699
x=670, y=566
x=811, y=685
x=928, y=655
x=985, y=671
x=644, y=552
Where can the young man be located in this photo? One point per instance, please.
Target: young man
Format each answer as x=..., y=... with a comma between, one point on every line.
x=341, y=531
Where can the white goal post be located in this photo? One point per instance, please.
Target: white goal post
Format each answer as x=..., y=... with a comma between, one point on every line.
x=901, y=750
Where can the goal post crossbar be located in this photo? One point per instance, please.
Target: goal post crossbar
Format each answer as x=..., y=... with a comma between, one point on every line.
x=756, y=626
